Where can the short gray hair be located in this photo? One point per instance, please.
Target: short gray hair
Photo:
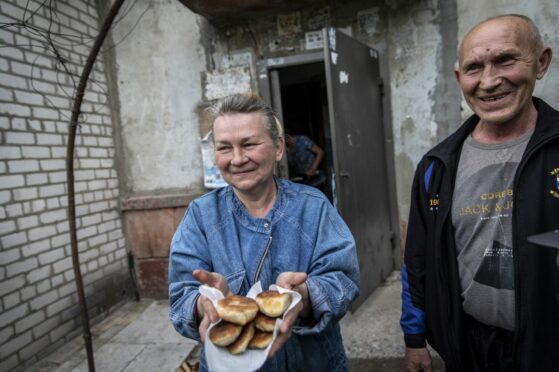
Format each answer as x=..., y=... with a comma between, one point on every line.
x=248, y=104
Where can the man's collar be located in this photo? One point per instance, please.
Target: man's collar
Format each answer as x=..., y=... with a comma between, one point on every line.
x=547, y=124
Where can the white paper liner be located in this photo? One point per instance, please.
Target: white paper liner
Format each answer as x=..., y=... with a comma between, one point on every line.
x=218, y=358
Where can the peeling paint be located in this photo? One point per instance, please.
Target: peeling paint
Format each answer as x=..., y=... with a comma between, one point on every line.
x=219, y=84
x=446, y=95
x=408, y=126
x=344, y=77
x=404, y=178
x=334, y=58
x=349, y=140
x=332, y=38
x=275, y=61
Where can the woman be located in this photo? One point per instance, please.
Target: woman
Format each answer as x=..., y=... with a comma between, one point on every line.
x=260, y=228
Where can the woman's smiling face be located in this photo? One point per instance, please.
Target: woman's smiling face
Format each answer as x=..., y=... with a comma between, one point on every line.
x=245, y=153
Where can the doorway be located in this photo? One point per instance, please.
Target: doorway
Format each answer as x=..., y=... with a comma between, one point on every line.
x=335, y=97
x=304, y=111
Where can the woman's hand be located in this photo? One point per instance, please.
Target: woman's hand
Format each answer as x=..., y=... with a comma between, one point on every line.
x=294, y=281
x=204, y=306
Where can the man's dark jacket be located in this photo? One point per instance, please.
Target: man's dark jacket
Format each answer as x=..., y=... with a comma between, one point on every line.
x=431, y=301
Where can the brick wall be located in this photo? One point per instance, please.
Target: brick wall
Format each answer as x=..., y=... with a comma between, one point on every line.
x=38, y=301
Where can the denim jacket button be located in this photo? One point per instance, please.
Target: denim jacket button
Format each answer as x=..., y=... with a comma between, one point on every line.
x=266, y=225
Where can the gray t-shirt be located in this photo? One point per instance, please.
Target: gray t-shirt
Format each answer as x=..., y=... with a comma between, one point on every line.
x=482, y=219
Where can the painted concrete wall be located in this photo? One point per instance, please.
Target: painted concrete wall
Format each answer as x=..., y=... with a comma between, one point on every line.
x=158, y=61
x=417, y=39
x=414, y=42
x=163, y=60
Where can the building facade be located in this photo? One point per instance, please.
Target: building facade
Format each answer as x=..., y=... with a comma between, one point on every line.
x=138, y=151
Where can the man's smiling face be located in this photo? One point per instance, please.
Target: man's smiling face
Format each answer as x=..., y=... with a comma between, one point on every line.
x=498, y=68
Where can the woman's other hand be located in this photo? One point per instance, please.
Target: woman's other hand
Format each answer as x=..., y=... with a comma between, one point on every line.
x=294, y=281
x=204, y=306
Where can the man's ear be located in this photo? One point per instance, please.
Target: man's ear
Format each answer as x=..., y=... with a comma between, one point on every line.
x=544, y=60
x=457, y=73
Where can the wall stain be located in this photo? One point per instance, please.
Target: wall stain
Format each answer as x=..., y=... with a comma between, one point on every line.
x=404, y=178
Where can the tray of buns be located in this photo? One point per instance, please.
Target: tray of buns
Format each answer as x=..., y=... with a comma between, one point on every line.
x=248, y=325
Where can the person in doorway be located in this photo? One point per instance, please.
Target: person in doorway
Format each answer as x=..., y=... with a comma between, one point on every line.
x=261, y=228
x=473, y=286
x=304, y=158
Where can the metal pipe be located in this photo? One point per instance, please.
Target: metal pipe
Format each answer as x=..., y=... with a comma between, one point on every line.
x=76, y=110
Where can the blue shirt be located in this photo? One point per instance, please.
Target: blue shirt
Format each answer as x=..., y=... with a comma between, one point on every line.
x=300, y=157
x=302, y=232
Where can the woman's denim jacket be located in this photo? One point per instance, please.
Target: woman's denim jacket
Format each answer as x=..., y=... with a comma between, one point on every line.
x=302, y=232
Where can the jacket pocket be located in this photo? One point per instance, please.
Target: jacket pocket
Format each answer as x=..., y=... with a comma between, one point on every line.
x=235, y=281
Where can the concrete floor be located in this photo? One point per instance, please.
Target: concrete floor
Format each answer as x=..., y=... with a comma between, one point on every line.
x=139, y=337
x=135, y=337
x=372, y=335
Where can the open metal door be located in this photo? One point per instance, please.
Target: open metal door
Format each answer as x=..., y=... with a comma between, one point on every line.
x=355, y=109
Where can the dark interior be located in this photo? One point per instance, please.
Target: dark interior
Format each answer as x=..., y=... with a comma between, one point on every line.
x=305, y=110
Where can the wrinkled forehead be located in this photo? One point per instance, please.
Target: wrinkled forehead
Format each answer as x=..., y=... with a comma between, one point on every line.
x=497, y=34
x=239, y=124
x=239, y=119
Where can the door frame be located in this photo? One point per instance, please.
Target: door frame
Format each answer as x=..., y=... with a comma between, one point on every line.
x=270, y=92
x=269, y=87
x=264, y=74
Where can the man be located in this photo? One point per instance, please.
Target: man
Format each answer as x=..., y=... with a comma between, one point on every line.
x=473, y=286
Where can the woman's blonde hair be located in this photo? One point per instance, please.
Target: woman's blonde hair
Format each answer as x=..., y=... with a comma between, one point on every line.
x=247, y=104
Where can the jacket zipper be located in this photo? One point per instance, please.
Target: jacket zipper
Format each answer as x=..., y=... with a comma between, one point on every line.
x=514, y=243
x=259, y=267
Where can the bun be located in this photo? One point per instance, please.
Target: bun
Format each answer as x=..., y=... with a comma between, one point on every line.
x=240, y=345
x=237, y=309
x=273, y=303
x=265, y=323
x=225, y=333
x=261, y=340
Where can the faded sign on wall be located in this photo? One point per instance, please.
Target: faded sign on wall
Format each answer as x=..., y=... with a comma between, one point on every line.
x=222, y=83
x=212, y=176
x=368, y=22
x=289, y=24
x=314, y=40
x=236, y=59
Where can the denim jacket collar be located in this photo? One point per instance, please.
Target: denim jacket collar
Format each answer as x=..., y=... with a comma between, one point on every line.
x=261, y=225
